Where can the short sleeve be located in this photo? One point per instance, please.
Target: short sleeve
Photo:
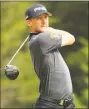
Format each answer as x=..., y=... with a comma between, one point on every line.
x=49, y=41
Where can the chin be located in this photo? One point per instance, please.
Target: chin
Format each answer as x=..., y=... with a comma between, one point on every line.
x=42, y=29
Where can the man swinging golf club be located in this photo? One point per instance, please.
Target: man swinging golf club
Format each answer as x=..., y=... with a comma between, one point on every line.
x=55, y=89
x=44, y=45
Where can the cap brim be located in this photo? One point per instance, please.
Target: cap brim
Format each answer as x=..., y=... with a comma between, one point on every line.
x=49, y=14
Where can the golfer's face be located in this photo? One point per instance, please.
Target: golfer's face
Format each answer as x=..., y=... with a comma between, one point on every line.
x=40, y=23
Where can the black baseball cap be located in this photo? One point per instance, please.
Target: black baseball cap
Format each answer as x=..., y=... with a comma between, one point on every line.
x=35, y=11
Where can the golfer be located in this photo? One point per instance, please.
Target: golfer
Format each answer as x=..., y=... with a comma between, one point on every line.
x=44, y=45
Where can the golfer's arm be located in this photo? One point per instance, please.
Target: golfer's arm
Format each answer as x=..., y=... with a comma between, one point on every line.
x=67, y=38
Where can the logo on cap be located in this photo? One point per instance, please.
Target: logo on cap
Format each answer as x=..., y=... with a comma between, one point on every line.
x=39, y=8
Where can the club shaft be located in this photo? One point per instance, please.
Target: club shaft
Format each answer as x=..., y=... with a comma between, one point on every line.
x=18, y=50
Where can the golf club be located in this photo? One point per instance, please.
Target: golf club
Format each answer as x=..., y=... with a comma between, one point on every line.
x=18, y=50
x=12, y=71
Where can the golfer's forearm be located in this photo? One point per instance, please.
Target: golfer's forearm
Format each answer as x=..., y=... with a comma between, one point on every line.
x=67, y=38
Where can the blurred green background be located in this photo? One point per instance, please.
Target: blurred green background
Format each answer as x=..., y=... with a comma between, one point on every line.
x=69, y=16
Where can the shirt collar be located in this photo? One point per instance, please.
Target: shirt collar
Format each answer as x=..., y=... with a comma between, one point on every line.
x=32, y=34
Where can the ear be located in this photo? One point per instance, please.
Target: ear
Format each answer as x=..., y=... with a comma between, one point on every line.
x=29, y=23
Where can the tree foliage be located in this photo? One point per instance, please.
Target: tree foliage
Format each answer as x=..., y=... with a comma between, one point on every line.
x=69, y=16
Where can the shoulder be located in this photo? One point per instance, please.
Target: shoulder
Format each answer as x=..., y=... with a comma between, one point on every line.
x=38, y=37
x=43, y=36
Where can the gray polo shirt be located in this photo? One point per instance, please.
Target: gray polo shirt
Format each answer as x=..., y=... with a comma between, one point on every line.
x=49, y=65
